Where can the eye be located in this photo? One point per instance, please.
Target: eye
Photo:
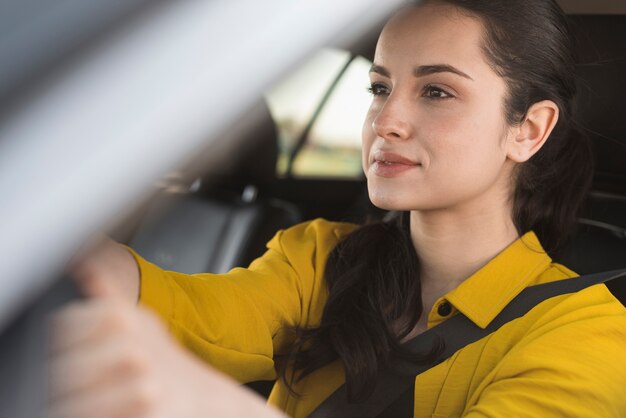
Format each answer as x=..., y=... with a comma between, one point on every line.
x=378, y=89
x=436, y=93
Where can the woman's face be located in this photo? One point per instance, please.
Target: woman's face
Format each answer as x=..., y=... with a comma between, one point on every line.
x=435, y=135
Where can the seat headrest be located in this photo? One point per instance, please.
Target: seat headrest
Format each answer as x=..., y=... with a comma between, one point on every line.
x=248, y=150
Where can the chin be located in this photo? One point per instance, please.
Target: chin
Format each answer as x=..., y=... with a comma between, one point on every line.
x=391, y=195
x=401, y=201
x=386, y=202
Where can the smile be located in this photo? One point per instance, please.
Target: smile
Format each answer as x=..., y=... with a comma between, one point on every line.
x=386, y=164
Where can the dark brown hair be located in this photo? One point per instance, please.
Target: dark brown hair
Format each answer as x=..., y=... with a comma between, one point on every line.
x=373, y=274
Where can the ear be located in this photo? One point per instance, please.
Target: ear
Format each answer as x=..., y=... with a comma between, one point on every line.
x=532, y=134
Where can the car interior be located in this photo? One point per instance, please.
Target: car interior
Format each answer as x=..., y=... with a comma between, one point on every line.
x=226, y=223
x=213, y=219
x=237, y=213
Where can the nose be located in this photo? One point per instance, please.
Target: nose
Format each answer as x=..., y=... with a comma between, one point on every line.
x=392, y=121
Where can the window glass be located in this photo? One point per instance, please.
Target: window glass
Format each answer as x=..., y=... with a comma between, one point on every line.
x=332, y=148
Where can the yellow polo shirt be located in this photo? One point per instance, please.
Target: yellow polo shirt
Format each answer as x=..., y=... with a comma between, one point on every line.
x=564, y=358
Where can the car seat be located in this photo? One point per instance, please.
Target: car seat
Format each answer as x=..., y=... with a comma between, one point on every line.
x=226, y=222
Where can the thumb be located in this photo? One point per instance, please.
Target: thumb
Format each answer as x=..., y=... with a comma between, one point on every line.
x=93, y=282
x=108, y=270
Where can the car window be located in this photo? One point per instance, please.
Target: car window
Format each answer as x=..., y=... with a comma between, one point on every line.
x=322, y=103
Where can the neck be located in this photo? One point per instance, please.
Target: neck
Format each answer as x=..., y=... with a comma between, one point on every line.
x=453, y=244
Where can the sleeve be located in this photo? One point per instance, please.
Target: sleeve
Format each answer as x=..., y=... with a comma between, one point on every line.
x=574, y=366
x=235, y=321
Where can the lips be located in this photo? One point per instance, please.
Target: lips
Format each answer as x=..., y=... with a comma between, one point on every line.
x=392, y=158
x=389, y=164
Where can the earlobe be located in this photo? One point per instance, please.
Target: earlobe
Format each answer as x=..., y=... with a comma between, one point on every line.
x=534, y=131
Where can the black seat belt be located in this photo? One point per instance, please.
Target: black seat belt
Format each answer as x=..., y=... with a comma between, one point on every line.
x=455, y=333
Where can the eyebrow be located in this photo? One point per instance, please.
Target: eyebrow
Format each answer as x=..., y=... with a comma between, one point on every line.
x=423, y=70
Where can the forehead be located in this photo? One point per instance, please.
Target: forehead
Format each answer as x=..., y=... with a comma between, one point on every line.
x=432, y=33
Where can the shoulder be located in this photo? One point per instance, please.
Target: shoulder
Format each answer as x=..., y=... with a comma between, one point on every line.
x=321, y=228
x=589, y=324
x=594, y=301
x=305, y=247
x=317, y=235
x=576, y=345
x=573, y=367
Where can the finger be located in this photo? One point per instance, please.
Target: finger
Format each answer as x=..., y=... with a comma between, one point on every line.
x=108, y=271
x=95, y=285
x=80, y=322
x=90, y=367
x=130, y=398
x=90, y=259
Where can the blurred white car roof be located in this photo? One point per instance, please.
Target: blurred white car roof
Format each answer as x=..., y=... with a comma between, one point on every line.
x=91, y=137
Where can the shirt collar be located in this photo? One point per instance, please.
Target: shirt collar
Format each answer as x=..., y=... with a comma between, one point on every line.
x=484, y=294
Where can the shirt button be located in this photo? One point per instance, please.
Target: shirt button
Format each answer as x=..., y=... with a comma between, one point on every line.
x=444, y=308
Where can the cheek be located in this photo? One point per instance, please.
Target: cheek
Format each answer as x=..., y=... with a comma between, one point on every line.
x=466, y=138
x=367, y=138
x=466, y=150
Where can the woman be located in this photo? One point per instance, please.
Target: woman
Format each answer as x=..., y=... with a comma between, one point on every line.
x=469, y=134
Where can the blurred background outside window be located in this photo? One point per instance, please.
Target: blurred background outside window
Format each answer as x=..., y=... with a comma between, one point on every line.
x=329, y=95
